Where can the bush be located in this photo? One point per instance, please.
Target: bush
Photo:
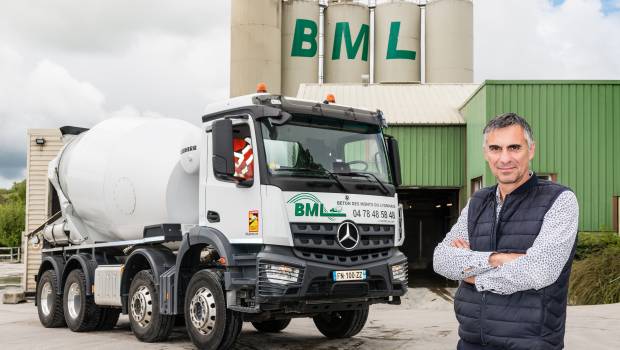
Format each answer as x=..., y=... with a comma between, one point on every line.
x=12, y=214
x=593, y=242
x=596, y=279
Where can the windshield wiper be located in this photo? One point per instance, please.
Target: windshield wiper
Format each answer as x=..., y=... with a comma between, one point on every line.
x=384, y=188
x=333, y=176
x=320, y=170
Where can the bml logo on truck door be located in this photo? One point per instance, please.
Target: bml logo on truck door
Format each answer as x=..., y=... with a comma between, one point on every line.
x=305, y=41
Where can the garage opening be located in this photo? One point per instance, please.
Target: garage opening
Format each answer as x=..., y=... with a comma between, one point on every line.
x=429, y=215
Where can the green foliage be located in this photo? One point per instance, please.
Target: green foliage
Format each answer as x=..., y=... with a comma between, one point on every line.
x=12, y=214
x=590, y=243
x=596, y=279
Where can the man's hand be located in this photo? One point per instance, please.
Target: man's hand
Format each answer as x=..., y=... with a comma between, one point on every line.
x=471, y=280
x=499, y=259
x=460, y=243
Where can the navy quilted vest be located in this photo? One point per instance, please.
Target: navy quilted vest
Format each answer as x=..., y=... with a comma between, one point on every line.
x=531, y=319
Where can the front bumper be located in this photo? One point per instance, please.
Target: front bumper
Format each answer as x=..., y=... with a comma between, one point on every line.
x=315, y=289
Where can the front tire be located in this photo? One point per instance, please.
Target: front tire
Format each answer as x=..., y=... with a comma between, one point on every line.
x=341, y=324
x=147, y=323
x=271, y=326
x=234, y=323
x=209, y=324
x=81, y=312
x=49, y=302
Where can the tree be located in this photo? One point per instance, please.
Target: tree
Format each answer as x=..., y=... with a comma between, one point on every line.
x=12, y=214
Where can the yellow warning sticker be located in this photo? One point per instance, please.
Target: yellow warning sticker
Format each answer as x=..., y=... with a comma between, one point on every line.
x=253, y=221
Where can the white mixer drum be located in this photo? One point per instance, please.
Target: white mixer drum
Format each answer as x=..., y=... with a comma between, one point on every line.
x=126, y=173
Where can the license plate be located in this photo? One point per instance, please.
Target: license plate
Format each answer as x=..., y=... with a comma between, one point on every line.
x=354, y=275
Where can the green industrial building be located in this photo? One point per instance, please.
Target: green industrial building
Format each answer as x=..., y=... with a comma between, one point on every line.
x=439, y=127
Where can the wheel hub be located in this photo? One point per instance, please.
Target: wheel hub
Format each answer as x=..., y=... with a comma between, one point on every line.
x=142, y=306
x=203, y=311
x=45, y=299
x=74, y=300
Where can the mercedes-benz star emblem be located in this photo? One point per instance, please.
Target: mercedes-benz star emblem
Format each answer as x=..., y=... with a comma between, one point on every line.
x=348, y=236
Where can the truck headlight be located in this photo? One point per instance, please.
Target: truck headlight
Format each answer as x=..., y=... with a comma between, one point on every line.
x=399, y=271
x=401, y=224
x=281, y=274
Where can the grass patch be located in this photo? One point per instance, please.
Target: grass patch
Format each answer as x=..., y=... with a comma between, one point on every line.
x=596, y=278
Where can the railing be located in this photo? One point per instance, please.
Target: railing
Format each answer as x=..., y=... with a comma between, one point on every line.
x=10, y=254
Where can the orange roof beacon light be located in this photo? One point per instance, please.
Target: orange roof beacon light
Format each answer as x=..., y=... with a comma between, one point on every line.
x=330, y=98
x=261, y=87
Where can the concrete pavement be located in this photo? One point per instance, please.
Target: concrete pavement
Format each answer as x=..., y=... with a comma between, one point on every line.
x=424, y=321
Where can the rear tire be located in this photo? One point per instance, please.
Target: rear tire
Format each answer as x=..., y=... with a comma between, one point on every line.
x=341, y=324
x=208, y=323
x=49, y=301
x=271, y=326
x=109, y=319
x=81, y=312
x=147, y=323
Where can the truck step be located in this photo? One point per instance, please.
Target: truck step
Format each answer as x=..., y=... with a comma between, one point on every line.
x=167, y=297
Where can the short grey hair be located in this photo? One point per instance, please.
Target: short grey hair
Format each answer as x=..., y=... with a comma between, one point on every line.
x=505, y=120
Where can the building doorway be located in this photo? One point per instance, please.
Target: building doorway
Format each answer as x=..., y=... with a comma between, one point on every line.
x=429, y=214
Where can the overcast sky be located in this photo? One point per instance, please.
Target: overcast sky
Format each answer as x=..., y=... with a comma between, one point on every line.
x=69, y=62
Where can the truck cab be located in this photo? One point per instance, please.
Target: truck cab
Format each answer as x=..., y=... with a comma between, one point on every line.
x=321, y=201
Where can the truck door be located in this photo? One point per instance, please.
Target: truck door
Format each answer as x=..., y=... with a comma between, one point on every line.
x=234, y=210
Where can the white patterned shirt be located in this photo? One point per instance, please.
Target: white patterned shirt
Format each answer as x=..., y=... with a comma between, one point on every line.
x=538, y=268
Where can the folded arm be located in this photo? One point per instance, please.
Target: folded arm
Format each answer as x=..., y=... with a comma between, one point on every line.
x=453, y=259
x=543, y=262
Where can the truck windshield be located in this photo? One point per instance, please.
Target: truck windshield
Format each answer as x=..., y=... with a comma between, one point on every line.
x=316, y=146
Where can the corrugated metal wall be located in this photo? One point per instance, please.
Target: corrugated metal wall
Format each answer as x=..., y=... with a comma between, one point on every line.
x=475, y=114
x=37, y=195
x=576, y=125
x=431, y=156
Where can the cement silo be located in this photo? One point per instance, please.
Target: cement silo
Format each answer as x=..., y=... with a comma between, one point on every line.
x=300, y=44
x=449, y=41
x=255, y=53
x=347, y=42
x=397, y=42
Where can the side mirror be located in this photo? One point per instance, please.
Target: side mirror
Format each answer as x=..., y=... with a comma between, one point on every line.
x=223, y=158
x=394, y=158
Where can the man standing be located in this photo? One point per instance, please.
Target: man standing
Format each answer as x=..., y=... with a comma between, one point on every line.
x=512, y=249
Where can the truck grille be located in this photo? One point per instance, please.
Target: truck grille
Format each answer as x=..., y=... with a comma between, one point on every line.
x=318, y=242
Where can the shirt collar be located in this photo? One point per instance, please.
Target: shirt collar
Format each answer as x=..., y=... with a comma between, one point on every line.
x=531, y=182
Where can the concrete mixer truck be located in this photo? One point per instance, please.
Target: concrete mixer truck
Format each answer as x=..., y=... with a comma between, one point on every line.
x=274, y=208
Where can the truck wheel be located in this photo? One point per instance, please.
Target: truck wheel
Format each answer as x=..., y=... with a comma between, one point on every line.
x=272, y=326
x=49, y=302
x=81, y=312
x=208, y=323
x=109, y=318
x=234, y=323
x=341, y=324
x=147, y=323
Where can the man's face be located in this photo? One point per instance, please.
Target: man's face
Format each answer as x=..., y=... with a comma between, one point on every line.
x=508, y=154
